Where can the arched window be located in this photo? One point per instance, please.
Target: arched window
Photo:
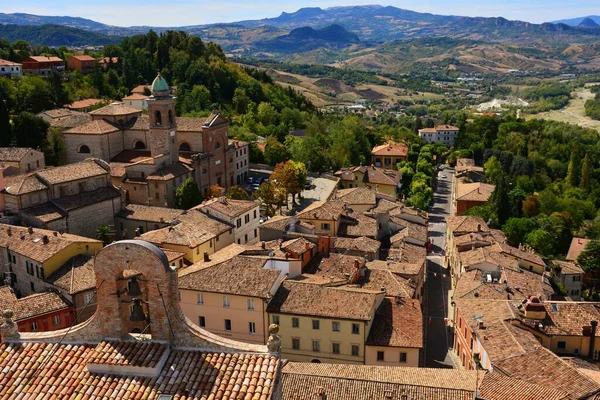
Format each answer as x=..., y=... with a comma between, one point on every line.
x=217, y=145
x=136, y=330
x=185, y=147
x=170, y=117
x=84, y=149
x=157, y=118
x=139, y=145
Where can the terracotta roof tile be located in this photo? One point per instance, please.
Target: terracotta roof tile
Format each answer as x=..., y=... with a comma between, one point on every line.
x=169, y=172
x=337, y=267
x=32, y=245
x=397, y=325
x=138, y=212
x=373, y=175
x=95, y=127
x=279, y=223
x=74, y=120
x=544, y=368
x=343, y=374
x=194, y=229
x=356, y=224
x=577, y=246
x=322, y=210
x=568, y=267
x=15, y=153
x=228, y=207
x=83, y=57
x=294, y=297
x=298, y=245
x=71, y=172
x=75, y=276
x=32, y=305
x=496, y=386
x=466, y=224
x=198, y=374
x=406, y=270
x=393, y=284
x=390, y=150
x=357, y=196
x=128, y=353
x=23, y=184
x=408, y=253
x=45, y=212
x=87, y=198
x=477, y=191
x=360, y=243
x=411, y=230
x=85, y=103
x=240, y=275
x=116, y=109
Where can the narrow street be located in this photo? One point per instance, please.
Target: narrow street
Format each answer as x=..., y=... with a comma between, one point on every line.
x=438, y=338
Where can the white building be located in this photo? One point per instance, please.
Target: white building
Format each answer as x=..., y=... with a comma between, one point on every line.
x=440, y=134
x=244, y=215
x=136, y=101
x=9, y=68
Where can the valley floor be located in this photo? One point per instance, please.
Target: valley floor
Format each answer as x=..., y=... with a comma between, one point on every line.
x=573, y=113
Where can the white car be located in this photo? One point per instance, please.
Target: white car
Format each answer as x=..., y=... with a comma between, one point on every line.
x=444, y=176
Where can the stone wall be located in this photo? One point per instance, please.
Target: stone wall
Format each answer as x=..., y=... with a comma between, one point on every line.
x=85, y=220
x=95, y=142
x=132, y=136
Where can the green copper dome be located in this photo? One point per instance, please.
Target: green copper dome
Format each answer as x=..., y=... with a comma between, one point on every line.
x=159, y=84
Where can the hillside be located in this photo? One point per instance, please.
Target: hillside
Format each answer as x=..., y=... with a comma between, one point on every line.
x=307, y=39
x=577, y=21
x=55, y=35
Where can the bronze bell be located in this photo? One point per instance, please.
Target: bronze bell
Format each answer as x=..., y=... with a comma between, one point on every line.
x=137, y=311
x=134, y=288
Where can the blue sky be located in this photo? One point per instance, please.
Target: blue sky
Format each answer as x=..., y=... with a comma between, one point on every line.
x=192, y=12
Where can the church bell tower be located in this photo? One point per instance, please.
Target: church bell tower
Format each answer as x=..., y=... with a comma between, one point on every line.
x=163, y=126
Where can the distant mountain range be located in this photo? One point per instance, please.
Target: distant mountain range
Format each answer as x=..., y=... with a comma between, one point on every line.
x=310, y=28
x=56, y=35
x=578, y=21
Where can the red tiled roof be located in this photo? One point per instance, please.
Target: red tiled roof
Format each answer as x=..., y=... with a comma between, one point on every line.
x=198, y=374
x=390, y=149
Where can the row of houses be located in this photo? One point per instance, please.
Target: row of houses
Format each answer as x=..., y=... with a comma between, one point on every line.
x=43, y=65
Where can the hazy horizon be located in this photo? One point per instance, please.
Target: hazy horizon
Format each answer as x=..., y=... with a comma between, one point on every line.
x=186, y=12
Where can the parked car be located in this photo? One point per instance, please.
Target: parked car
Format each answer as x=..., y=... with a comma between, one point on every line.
x=444, y=176
x=250, y=180
x=308, y=185
x=255, y=187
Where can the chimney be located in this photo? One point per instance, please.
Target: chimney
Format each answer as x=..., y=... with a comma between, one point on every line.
x=262, y=245
x=206, y=257
x=592, y=338
x=356, y=263
x=307, y=246
x=480, y=324
x=45, y=239
x=478, y=227
x=162, y=220
x=55, y=234
x=30, y=230
x=9, y=231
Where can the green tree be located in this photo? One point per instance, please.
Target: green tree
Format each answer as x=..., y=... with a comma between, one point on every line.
x=499, y=200
x=289, y=177
x=585, y=172
x=5, y=126
x=516, y=229
x=275, y=152
x=236, y=193
x=589, y=259
x=105, y=234
x=572, y=170
x=240, y=101
x=188, y=195
x=541, y=241
x=269, y=198
x=29, y=130
x=267, y=114
x=493, y=169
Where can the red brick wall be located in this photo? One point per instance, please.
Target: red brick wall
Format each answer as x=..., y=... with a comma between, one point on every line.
x=462, y=340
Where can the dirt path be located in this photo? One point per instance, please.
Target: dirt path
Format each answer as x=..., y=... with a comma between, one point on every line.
x=574, y=113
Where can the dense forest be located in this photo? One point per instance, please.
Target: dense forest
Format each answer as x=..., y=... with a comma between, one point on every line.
x=592, y=106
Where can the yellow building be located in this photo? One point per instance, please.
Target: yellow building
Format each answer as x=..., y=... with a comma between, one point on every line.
x=323, y=324
x=380, y=180
x=195, y=234
x=230, y=298
x=30, y=255
x=324, y=216
x=567, y=328
x=388, y=155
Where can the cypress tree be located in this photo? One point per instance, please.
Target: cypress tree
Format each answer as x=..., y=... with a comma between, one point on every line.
x=585, y=172
x=500, y=201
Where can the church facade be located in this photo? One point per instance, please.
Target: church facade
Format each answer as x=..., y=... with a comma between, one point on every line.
x=151, y=154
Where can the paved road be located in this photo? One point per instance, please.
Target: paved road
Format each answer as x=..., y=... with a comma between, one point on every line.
x=438, y=337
